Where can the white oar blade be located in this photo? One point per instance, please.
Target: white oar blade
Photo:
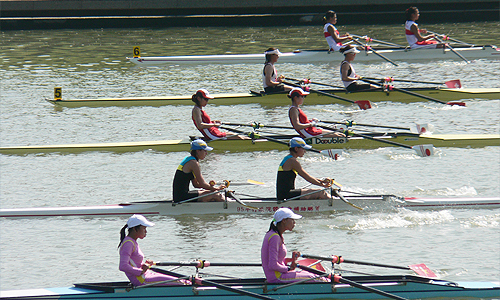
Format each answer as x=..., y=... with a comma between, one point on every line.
x=332, y=153
x=422, y=128
x=424, y=150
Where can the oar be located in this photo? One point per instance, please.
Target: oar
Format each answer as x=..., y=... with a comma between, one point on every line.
x=200, y=281
x=363, y=104
x=374, y=51
x=308, y=81
x=389, y=79
x=205, y=263
x=451, y=48
x=422, y=150
x=337, y=194
x=449, y=38
x=256, y=125
x=332, y=153
x=232, y=195
x=420, y=269
x=417, y=128
x=351, y=283
x=416, y=94
x=378, y=41
x=229, y=182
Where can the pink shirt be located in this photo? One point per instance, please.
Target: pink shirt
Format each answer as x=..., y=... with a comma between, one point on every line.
x=131, y=258
x=273, y=255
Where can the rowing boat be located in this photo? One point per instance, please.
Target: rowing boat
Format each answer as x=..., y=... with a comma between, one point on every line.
x=248, y=145
x=406, y=286
x=280, y=99
x=322, y=56
x=256, y=206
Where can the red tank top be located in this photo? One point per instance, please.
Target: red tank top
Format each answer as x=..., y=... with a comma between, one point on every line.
x=211, y=132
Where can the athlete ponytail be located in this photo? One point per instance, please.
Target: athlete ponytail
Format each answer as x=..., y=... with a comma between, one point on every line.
x=194, y=98
x=274, y=227
x=122, y=235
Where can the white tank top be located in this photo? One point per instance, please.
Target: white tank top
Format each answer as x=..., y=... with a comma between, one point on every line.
x=410, y=36
x=352, y=73
x=329, y=38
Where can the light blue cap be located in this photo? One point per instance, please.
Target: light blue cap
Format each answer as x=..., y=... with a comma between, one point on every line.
x=299, y=142
x=200, y=145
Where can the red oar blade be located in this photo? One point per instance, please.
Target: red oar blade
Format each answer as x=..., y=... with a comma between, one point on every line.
x=424, y=150
x=456, y=103
x=423, y=270
x=364, y=104
x=453, y=84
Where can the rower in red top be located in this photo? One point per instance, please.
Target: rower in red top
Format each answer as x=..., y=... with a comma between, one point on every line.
x=414, y=34
x=332, y=35
x=305, y=127
x=202, y=121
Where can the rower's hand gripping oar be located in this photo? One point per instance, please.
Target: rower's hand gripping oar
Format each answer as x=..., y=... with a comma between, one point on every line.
x=413, y=93
x=200, y=281
x=362, y=104
x=332, y=153
x=420, y=269
x=340, y=279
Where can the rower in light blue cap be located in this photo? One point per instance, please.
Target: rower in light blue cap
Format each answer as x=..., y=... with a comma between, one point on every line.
x=200, y=145
x=288, y=170
x=299, y=142
x=189, y=171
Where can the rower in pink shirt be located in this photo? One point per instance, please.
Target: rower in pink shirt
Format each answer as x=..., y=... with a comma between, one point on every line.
x=273, y=251
x=131, y=256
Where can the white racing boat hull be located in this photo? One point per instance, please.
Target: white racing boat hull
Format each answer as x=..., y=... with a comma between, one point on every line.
x=322, y=56
x=256, y=206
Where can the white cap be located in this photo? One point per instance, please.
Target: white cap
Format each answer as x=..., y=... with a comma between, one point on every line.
x=284, y=213
x=137, y=220
x=352, y=50
x=275, y=51
x=297, y=92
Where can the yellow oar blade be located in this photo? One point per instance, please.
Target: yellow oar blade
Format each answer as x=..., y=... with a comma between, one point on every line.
x=255, y=182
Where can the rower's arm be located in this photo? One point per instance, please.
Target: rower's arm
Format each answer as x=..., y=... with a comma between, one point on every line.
x=293, y=113
x=198, y=180
x=297, y=167
x=199, y=123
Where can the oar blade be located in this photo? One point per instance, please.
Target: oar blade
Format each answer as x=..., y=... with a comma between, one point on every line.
x=453, y=84
x=332, y=153
x=456, y=103
x=363, y=104
x=421, y=128
x=255, y=182
x=424, y=150
x=423, y=270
